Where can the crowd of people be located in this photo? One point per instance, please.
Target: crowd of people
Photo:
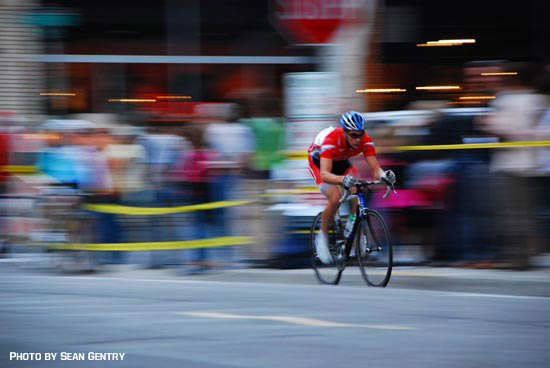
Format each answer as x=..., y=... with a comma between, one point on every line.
x=473, y=207
x=487, y=207
x=163, y=164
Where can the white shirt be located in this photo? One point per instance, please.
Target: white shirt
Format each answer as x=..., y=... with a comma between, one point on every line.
x=514, y=118
x=232, y=140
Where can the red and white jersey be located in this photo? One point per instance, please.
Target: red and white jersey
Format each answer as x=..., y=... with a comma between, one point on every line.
x=331, y=143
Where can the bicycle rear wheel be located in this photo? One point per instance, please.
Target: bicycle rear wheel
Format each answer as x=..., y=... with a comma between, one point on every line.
x=374, y=249
x=326, y=273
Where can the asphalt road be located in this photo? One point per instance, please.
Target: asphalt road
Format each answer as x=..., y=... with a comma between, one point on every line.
x=198, y=323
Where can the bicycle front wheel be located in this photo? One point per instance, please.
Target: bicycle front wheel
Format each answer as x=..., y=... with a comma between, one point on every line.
x=373, y=249
x=326, y=273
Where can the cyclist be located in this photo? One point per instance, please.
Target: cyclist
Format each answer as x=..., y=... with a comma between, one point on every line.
x=329, y=164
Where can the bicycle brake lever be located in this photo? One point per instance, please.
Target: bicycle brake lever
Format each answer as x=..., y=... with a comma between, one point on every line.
x=388, y=191
x=389, y=188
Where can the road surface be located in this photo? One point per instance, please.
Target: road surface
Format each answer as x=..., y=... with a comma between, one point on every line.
x=181, y=322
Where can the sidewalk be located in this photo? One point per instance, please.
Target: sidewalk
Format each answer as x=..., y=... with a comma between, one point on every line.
x=520, y=283
x=535, y=283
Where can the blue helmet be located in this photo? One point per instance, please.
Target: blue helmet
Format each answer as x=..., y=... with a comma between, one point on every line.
x=352, y=120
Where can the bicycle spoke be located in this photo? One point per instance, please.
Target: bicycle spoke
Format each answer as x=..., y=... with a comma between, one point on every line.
x=375, y=254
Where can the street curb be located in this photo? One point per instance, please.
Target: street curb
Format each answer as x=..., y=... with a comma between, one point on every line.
x=519, y=283
x=532, y=283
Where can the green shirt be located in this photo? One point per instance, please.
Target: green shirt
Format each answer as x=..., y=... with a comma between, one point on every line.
x=270, y=141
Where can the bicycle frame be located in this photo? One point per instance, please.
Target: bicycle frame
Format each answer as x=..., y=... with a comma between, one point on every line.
x=361, y=211
x=341, y=248
x=359, y=215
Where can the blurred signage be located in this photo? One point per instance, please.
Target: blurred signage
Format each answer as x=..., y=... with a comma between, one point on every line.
x=312, y=21
x=184, y=111
x=52, y=20
x=311, y=104
x=53, y=17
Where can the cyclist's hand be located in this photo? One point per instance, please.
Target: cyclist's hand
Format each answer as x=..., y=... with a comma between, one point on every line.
x=388, y=177
x=349, y=181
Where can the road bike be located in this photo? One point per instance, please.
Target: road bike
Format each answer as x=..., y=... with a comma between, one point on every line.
x=369, y=240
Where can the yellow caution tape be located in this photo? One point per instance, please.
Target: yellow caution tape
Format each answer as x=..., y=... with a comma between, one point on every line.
x=291, y=192
x=117, y=209
x=302, y=232
x=303, y=155
x=474, y=146
x=18, y=169
x=296, y=155
x=167, y=245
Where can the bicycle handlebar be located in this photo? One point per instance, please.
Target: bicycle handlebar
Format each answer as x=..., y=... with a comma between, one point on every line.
x=362, y=183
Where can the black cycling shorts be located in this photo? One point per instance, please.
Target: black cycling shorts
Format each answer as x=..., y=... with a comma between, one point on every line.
x=338, y=167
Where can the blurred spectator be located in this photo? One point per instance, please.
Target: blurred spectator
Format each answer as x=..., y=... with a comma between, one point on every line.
x=162, y=148
x=542, y=133
x=517, y=109
x=407, y=213
x=57, y=160
x=95, y=179
x=542, y=128
x=92, y=166
x=195, y=172
x=433, y=181
x=270, y=143
x=5, y=118
x=71, y=156
x=121, y=155
x=476, y=83
x=126, y=161
x=72, y=159
x=4, y=158
x=270, y=139
x=234, y=142
x=4, y=162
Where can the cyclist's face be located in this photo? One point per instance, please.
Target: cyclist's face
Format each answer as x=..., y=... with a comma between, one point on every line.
x=354, y=138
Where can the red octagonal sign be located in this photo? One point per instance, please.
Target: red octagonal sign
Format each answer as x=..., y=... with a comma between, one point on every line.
x=312, y=21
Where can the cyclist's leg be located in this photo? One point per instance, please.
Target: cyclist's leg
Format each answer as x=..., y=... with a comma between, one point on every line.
x=333, y=196
x=330, y=191
x=327, y=217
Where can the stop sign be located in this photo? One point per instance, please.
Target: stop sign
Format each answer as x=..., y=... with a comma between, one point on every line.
x=311, y=21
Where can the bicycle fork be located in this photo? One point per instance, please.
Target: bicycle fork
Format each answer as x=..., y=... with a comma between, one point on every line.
x=364, y=246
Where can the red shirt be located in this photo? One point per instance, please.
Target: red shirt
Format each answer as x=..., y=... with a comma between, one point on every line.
x=331, y=143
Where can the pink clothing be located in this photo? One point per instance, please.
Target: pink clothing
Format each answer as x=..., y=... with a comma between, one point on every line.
x=195, y=166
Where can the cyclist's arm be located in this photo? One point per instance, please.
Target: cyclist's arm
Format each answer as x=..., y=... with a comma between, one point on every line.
x=326, y=175
x=374, y=166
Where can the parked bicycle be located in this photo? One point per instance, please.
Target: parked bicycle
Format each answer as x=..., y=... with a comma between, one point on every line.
x=369, y=239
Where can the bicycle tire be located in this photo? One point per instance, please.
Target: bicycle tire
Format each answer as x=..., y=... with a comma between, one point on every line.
x=326, y=274
x=374, y=249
